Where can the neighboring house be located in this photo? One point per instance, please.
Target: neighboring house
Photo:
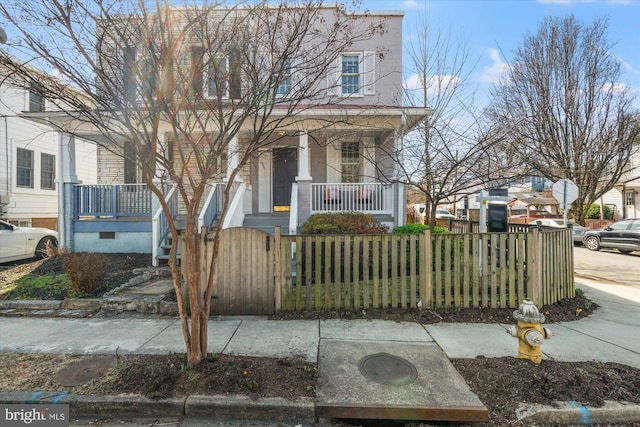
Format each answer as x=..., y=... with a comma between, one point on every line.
x=310, y=169
x=625, y=195
x=29, y=158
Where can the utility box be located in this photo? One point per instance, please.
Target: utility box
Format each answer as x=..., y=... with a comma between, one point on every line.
x=497, y=215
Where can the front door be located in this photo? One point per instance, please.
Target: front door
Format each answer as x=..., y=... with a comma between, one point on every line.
x=285, y=169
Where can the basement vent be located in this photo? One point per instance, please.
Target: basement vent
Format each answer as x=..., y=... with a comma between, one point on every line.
x=107, y=235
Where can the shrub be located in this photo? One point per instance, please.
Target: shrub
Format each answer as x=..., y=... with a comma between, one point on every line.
x=418, y=229
x=343, y=223
x=594, y=212
x=85, y=270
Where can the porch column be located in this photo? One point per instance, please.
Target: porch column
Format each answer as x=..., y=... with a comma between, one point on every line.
x=304, y=178
x=232, y=158
x=400, y=199
x=66, y=181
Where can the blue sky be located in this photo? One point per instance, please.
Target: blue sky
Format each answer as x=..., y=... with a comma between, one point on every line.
x=497, y=27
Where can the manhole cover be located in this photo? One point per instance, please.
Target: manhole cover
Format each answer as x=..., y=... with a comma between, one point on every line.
x=85, y=370
x=385, y=368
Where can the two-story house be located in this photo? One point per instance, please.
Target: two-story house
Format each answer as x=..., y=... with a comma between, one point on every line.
x=29, y=156
x=336, y=151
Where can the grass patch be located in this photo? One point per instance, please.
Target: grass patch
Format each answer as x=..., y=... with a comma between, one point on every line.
x=31, y=286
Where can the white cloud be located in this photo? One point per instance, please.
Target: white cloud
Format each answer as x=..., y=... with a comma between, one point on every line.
x=413, y=4
x=614, y=87
x=492, y=73
x=435, y=84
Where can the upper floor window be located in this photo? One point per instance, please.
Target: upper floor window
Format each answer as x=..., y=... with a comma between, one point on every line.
x=354, y=74
x=24, y=168
x=284, y=76
x=36, y=101
x=129, y=72
x=215, y=78
x=47, y=171
x=350, y=162
x=350, y=78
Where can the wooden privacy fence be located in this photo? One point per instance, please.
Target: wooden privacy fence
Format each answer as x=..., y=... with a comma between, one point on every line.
x=326, y=272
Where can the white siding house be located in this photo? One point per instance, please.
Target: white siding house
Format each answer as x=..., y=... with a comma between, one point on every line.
x=29, y=160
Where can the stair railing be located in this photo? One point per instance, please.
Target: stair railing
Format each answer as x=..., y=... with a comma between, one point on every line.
x=160, y=224
x=212, y=206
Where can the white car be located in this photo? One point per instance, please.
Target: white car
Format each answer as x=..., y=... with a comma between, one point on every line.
x=25, y=242
x=578, y=230
x=444, y=214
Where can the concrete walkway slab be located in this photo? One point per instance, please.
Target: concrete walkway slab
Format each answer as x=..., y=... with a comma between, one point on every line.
x=600, y=345
x=466, y=341
x=78, y=336
x=373, y=330
x=171, y=340
x=281, y=338
x=158, y=287
x=434, y=392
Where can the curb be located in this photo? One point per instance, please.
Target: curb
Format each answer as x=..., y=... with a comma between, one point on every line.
x=233, y=407
x=572, y=413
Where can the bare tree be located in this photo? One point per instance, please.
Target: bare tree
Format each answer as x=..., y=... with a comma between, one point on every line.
x=567, y=112
x=441, y=156
x=190, y=93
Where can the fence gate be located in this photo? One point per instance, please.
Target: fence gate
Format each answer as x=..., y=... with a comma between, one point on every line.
x=245, y=280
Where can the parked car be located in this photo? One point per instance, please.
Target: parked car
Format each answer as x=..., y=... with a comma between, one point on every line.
x=622, y=235
x=444, y=214
x=578, y=230
x=25, y=242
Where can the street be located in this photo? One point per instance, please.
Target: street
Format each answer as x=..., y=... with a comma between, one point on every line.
x=608, y=264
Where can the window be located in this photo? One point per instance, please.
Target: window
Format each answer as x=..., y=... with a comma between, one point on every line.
x=350, y=78
x=284, y=76
x=350, y=162
x=216, y=77
x=36, y=101
x=24, y=168
x=630, y=196
x=47, y=171
x=130, y=168
x=129, y=72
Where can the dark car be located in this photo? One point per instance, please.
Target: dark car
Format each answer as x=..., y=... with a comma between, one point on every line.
x=622, y=235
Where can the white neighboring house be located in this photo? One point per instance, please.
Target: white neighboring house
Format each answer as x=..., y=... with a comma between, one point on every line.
x=625, y=195
x=29, y=159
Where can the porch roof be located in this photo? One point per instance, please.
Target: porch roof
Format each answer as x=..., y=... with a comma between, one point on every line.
x=404, y=118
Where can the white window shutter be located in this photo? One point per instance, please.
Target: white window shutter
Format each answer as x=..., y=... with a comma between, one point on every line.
x=369, y=65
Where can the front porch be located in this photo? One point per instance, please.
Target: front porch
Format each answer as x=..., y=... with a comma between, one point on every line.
x=128, y=218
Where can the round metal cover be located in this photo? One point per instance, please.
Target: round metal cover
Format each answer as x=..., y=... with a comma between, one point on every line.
x=385, y=368
x=85, y=370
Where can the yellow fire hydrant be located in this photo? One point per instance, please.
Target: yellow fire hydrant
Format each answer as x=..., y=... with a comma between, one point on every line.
x=529, y=332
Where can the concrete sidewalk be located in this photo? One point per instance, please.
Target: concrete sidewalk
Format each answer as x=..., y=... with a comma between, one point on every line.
x=609, y=335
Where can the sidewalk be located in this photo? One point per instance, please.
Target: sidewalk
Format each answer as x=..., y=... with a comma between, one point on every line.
x=610, y=335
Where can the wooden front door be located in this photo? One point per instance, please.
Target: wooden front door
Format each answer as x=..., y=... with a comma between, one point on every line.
x=285, y=169
x=245, y=282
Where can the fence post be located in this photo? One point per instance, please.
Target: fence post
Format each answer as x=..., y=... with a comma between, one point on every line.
x=536, y=264
x=278, y=266
x=425, y=290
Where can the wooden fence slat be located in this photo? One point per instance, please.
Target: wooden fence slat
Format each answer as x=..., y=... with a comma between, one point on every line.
x=356, y=271
x=413, y=241
x=513, y=249
x=439, y=239
x=466, y=270
x=504, y=248
x=348, y=302
x=366, y=253
x=328, y=288
x=403, y=271
x=485, y=272
x=457, y=270
x=317, y=270
x=299, y=279
x=385, y=271
x=447, y=284
x=337, y=269
x=476, y=270
x=394, y=271
x=377, y=270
